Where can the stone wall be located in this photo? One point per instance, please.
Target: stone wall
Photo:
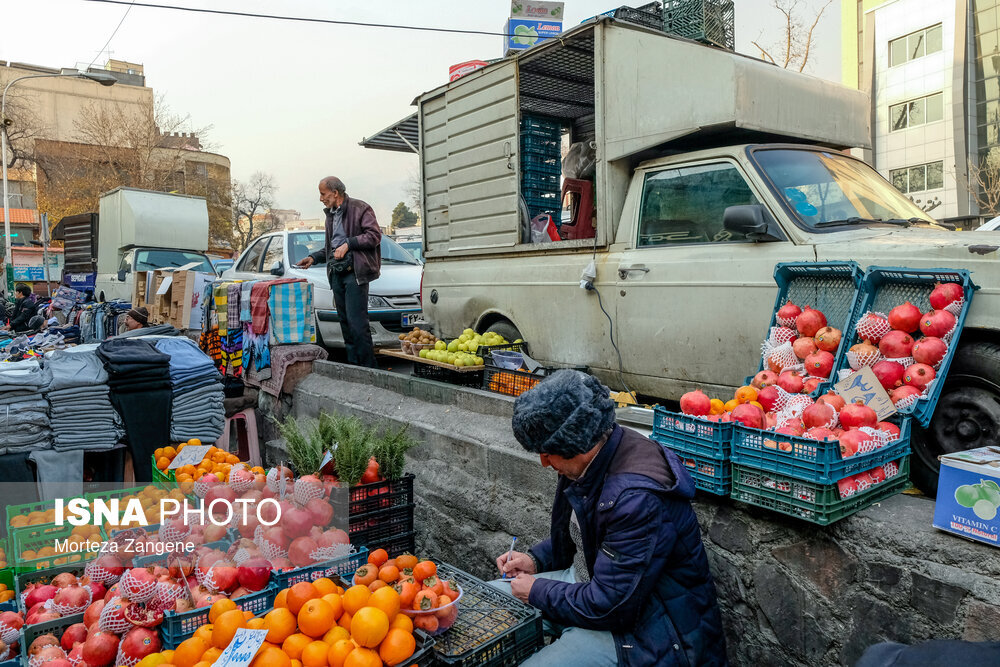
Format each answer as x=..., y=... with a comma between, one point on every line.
x=791, y=593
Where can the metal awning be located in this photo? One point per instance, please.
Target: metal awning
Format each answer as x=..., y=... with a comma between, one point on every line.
x=403, y=136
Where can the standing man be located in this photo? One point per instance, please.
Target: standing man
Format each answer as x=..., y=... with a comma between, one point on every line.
x=353, y=257
x=623, y=571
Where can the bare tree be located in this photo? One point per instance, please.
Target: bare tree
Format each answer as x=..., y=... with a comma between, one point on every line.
x=252, y=203
x=983, y=183
x=25, y=126
x=793, y=49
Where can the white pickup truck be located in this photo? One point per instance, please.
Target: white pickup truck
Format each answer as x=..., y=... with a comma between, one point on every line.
x=711, y=167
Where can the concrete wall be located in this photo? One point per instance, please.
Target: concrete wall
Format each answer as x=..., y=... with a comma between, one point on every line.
x=791, y=593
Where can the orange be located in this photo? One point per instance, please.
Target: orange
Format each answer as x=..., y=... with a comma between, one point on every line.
x=314, y=654
x=718, y=407
x=294, y=645
x=19, y=521
x=281, y=599
x=189, y=651
x=324, y=586
x=401, y=622
x=225, y=627
x=299, y=594
x=205, y=632
x=212, y=654
x=168, y=655
x=162, y=462
x=256, y=624
x=219, y=607
x=158, y=452
x=280, y=624
x=335, y=601
x=355, y=598
x=369, y=626
x=345, y=621
x=731, y=405
x=248, y=615
x=397, y=646
x=296, y=663
x=335, y=634
x=203, y=663
x=386, y=599
x=315, y=618
x=363, y=657
x=232, y=459
x=271, y=657
x=194, y=442
x=339, y=651
x=169, y=452
x=745, y=394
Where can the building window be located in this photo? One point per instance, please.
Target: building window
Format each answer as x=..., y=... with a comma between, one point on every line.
x=922, y=177
x=915, y=45
x=916, y=112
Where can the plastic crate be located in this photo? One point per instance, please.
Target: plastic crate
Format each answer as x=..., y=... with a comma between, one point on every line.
x=485, y=350
x=24, y=510
x=710, y=473
x=22, y=544
x=345, y=567
x=542, y=143
x=817, y=503
x=883, y=289
x=833, y=288
x=372, y=530
x=492, y=628
x=400, y=544
x=539, y=179
x=164, y=559
x=56, y=626
x=706, y=438
x=542, y=163
x=22, y=579
x=162, y=478
x=366, y=498
x=438, y=374
x=178, y=626
x=649, y=16
x=508, y=382
x=531, y=123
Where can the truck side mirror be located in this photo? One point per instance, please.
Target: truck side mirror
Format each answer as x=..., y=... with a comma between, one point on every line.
x=752, y=221
x=277, y=269
x=121, y=275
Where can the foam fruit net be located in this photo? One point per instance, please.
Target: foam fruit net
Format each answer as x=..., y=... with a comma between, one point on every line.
x=872, y=326
x=135, y=590
x=306, y=490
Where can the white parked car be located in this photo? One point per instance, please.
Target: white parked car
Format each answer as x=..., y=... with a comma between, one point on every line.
x=990, y=225
x=393, y=299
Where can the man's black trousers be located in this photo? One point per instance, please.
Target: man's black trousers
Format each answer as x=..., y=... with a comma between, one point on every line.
x=351, y=301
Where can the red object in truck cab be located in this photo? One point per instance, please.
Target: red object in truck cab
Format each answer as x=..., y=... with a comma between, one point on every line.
x=581, y=226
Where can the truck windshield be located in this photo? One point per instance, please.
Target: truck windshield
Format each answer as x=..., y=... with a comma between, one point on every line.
x=825, y=189
x=149, y=259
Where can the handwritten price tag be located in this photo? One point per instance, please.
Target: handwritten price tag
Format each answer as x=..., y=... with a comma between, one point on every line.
x=864, y=387
x=242, y=649
x=190, y=455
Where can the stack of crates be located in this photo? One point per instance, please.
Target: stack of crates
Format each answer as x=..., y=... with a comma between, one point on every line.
x=703, y=447
x=541, y=164
x=380, y=514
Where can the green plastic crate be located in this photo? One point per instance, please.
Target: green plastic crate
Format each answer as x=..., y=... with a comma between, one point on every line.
x=817, y=503
x=21, y=544
x=167, y=479
x=24, y=510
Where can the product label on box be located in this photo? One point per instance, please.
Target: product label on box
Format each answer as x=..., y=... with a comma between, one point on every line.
x=968, y=496
x=523, y=34
x=863, y=387
x=544, y=11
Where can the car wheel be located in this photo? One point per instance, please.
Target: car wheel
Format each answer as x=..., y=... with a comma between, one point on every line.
x=505, y=329
x=967, y=415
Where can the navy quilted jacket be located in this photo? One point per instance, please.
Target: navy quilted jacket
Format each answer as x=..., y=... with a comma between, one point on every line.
x=650, y=584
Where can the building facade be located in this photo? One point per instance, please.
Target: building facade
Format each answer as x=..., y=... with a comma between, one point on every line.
x=931, y=68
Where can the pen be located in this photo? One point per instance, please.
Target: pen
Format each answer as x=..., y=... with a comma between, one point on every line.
x=509, y=553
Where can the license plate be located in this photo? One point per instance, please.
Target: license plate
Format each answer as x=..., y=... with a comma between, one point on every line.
x=413, y=319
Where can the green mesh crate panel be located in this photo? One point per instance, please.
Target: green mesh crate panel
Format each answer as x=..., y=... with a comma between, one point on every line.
x=710, y=21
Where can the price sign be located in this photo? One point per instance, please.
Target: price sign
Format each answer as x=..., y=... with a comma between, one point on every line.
x=864, y=387
x=242, y=648
x=190, y=455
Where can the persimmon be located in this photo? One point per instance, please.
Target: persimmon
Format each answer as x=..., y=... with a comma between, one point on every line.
x=424, y=600
x=378, y=557
x=365, y=575
x=424, y=569
x=450, y=589
x=407, y=591
x=434, y=585
x=406, y=561
x=397, y=646
x=388, y=573
x=427, y=622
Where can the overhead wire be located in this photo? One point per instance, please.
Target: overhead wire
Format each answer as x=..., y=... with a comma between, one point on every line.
x=113, y=33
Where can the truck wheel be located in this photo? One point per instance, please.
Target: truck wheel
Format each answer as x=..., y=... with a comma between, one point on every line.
x=967, y=414
x=505, y=329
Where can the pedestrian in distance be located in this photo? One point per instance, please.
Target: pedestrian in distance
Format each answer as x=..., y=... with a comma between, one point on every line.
x=353, y=258
x=623, y=574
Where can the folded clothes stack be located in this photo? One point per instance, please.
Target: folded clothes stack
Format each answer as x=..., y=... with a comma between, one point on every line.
x=197, y=392
x=24, y=413
x=80, y=401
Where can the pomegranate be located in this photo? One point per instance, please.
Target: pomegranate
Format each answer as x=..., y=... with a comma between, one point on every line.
x=856, y=415
x=765, y=378
x=786, y=314
x=945, y=294
x=790, y=382
x=847, y=487
x=891, y=429
x=748, y=415
x=48, y=654
x=854, y=441
x=254, y=573
x=900, y=393
x=220, y=492
x=40, y=594
x=42, y=616
x=828, y=339
x=64, y=579
x=905, y=318
x=321, y=511
x=896, y=345
x=100, y=649
x=692, y=403
x=937, y=323
x=819, y=433
x=929, y=350
x=810, y=385
x=819, y=364
x=865, y=351
x=810, y=321
x=818, y=414
x=788, y=430
x=300, y=551
x=770, y=420
x=41, y=642
x=793, y=426
x=918, y=375
x=11, y=619
x=248, y=529
x=781, y=335
x=74, y=634
x=138, y=643
x=59, y=662
x=889, y=374
x=298, y=521
x=97, y=590
x=75, y=656
x=877, y=475
x=768, y=396
x=832, y=399
x=276, y=536
x=212, y=532
x=337, y=536
x=872, y=327
x=803, y=347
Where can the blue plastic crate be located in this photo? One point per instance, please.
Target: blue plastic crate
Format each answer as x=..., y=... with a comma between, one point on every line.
x=710, y=473
x=531, y=123
x=712, y=438
x=29, y=633
x=345, y=566
x=545, y=143
x=535, y=179
x=807, y=459
x=833, y=288
x=178, y=626
x=543, y=163
x=887, y=287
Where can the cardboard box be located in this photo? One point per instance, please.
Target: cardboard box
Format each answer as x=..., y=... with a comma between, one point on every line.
x=968, y=496
x=175, y=297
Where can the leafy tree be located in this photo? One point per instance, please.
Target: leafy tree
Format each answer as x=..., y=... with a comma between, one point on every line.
x=402, y=217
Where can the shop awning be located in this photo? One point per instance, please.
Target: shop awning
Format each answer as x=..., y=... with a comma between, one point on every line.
x=403, y=136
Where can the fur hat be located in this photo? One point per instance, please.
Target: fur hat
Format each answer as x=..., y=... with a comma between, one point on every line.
x=565, y=414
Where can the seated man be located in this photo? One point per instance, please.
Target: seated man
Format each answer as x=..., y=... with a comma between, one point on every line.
x=624, y=568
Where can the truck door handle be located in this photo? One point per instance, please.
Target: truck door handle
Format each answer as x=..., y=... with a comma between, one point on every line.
x=625, y=270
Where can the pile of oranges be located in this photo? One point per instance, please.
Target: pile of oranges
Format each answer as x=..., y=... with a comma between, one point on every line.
x=312, y=624
x=746, y=394
x=6, y=594
x=216, y=462
x=79, y=535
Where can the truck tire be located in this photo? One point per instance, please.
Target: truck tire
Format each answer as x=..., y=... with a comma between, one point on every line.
x=505, y=329
x=967, y=414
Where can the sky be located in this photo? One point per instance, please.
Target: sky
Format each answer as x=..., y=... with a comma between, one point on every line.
x=294, y=99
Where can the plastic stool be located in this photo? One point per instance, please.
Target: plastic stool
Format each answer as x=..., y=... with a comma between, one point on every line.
x=582, y=225
x=247, y=444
